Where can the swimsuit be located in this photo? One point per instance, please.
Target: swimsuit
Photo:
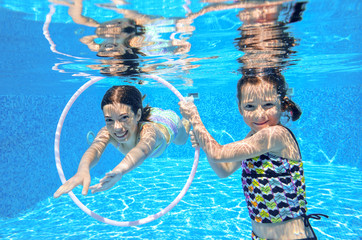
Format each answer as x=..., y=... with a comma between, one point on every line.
x=274, y=188
x=306, y=224
x=167, y=118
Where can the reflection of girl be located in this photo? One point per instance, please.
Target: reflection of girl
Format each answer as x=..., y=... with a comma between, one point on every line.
x=121, y=42
x=137, y=132
x=272, y=168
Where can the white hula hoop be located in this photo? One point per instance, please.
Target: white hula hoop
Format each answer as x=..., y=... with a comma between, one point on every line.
x=78, y=202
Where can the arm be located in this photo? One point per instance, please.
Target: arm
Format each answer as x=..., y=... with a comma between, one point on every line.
x=222, y=170
x=225, y=159
x=150, y=137
x=89, y=159
x=75, y=12
x=224, y=6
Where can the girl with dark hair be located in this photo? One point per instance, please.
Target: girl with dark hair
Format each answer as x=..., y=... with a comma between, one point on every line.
x=136, y=131
x=272, y=168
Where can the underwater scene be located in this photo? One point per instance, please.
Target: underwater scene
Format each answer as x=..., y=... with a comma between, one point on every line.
x=59, y=58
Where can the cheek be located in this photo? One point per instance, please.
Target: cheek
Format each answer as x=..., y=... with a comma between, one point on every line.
x=109, y=126
x=273, y=112
x=248, y=115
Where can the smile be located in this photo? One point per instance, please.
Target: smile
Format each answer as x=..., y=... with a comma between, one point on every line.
x=121, y=135
x=261, y=123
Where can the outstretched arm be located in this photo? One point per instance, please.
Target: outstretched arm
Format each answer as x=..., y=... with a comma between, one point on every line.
x=225, y=159
x=150, y=137
x=89, y=159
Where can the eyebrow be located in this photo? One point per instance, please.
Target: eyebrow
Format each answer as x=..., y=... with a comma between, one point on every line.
x=120, y=115
x=270, y=99
x=247, y=101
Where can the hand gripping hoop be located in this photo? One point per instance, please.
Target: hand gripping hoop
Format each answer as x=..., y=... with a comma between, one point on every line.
x=77, y=201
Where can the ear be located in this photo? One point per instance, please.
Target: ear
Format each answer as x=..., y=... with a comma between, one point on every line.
x=139, y=114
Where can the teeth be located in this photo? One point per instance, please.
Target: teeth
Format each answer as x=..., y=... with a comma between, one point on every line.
x=122, y=135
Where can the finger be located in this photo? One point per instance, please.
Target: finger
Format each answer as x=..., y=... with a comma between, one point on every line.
x=59, y=192
x=65, y=188
x=105, y=179
x=95, y=186
x=110, y=174
x=103, y=188
x=86, y=184
x=99, y=188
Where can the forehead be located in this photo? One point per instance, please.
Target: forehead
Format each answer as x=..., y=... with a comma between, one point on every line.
x=263, y=91
x=117, y=108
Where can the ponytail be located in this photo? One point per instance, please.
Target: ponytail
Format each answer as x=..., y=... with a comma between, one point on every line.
x=291, y=107
x=146, y=113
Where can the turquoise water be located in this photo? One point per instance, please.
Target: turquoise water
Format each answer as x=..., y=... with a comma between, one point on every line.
x=323, y=67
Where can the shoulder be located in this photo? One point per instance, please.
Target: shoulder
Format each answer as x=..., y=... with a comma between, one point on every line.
x=284, y=142
x=276, y=137
x=146, y=128
x=276, y=132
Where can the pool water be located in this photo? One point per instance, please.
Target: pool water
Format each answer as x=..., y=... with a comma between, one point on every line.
x=44, y=61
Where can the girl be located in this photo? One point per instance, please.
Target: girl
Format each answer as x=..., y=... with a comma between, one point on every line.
x=272, y=169
x=137, y=132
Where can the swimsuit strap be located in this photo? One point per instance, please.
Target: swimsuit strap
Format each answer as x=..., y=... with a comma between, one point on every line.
x=295, y=139
x=316, y=216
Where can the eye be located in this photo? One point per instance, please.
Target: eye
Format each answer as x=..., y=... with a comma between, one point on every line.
x=249, y=107
x=268, y=105
x=108, y=120
x=124, y=118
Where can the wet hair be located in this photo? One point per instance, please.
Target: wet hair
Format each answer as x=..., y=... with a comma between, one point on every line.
x=275, y=78
x=128, y=95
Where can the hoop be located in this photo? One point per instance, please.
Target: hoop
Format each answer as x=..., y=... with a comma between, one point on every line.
x=78, y=202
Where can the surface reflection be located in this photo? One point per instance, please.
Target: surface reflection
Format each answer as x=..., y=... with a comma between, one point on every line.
x=265, y=39
x=136, y=43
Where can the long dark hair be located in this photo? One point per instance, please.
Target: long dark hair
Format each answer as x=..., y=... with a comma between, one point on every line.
x=275, y=78
x=128, y=95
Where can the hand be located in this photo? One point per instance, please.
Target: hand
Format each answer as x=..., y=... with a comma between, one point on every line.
x=80, y=178
x=107, y=182
x=188, y=109
x=194, y=141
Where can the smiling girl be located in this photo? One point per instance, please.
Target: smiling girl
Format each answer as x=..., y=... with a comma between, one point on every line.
x=137, y=132
x=272, y=168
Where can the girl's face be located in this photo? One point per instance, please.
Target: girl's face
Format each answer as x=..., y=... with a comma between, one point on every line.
x=121, y=122
x=260, y=106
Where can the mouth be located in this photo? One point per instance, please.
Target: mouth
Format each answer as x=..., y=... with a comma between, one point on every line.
x=121, y=135
x=261, y=123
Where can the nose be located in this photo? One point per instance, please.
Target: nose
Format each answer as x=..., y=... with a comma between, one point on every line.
x=259, y=113
x=118, y=125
